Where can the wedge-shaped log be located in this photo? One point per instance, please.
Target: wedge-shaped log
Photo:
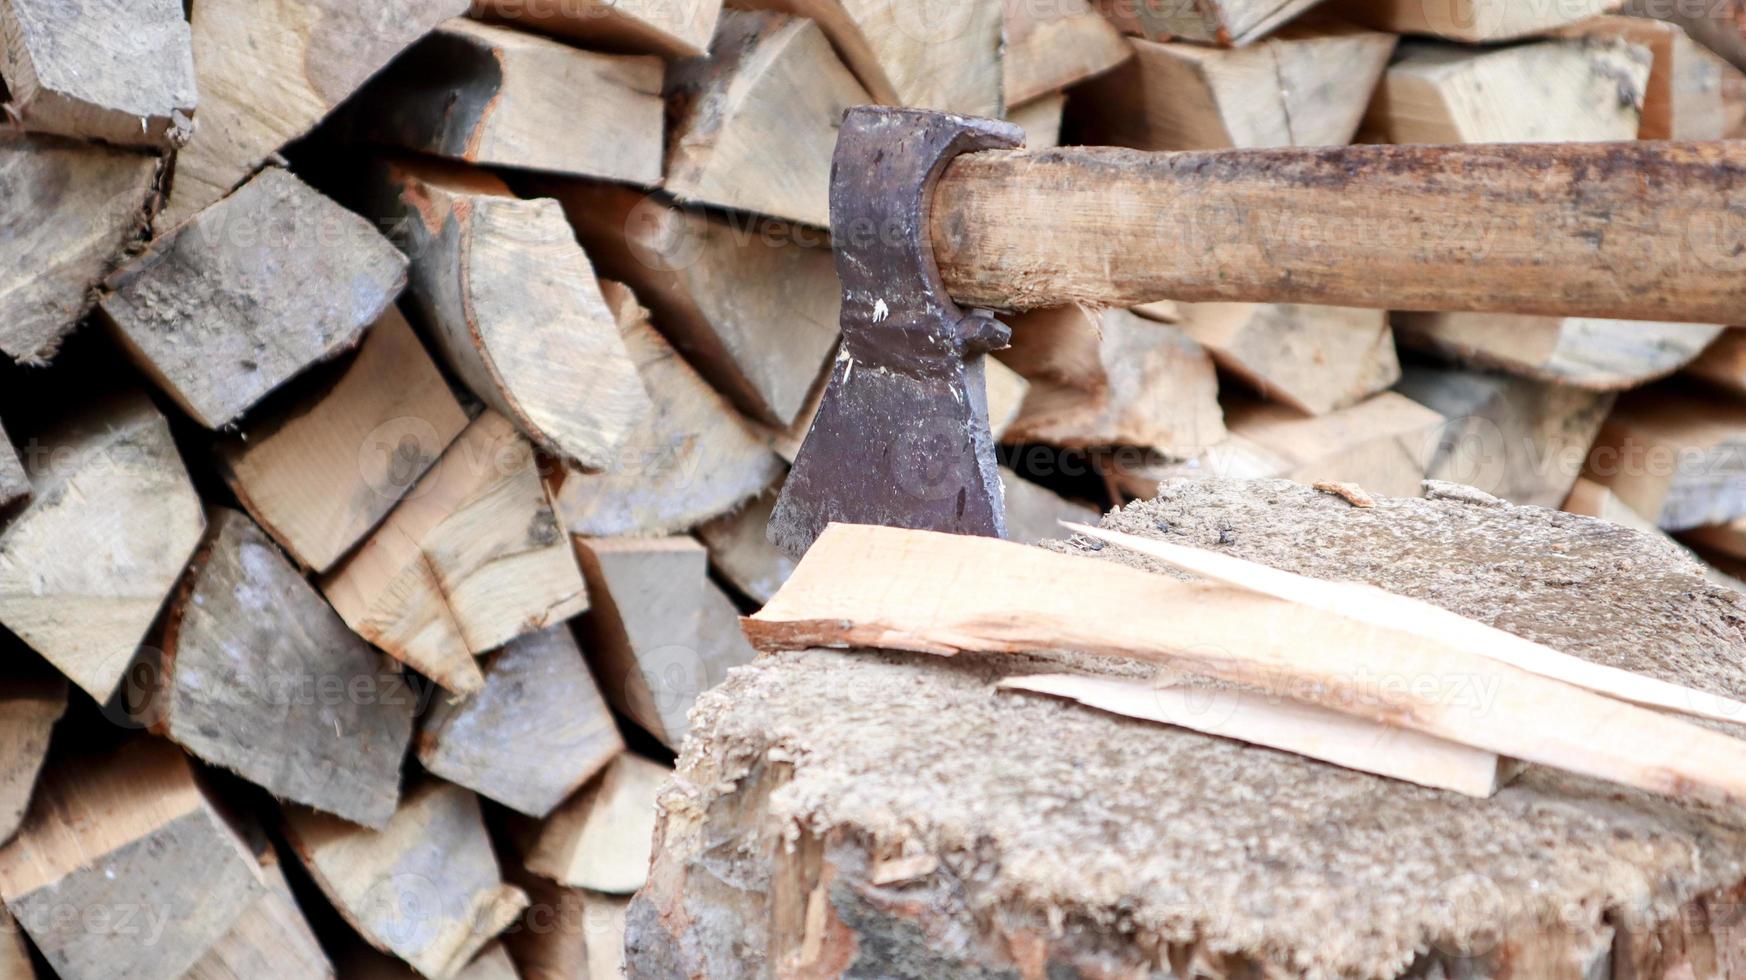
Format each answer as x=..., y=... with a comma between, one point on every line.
x=1472, y=21
x=1223, y=22
x=15, y=961
x=491, y=95
x=1604, y=355
x=741, y=552
x=34, y=698
x=536, y=731
x=754, y=124
x=321, y=467
x=471, y=559
x=69, y=210
x=363, y=963
x=267, y=75
x=676, y=30
x=248, y=639
x=568, y=932
x=693, y=458
x=125, y=868
x=1314, y=358
x=1047, y=47
x=514, y=308
x=1041, y=120
x=599, y=839
x=1676, y=457
x=237, y=301
x=270, y=940
x=426, y=888
x=14, y=483
x=89, y=559
x=1684, y=97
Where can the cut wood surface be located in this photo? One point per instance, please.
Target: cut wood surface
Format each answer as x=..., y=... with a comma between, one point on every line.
x=753, y=308
x=1314, y=358
x=251, y=657
x=514, y=308
x=471, y=559
x=120, y=71
x=492, y=95
x=1034, y=513
x=68, y=211
x=1472, y=21
x=86, y=564
x=268, y=74
x=693, y=458
x=753, y=126
x=677, y=30
x=1721, y=34
x=240, y=299
x=537, y=730
x=15, y=962
x=1723, y=363
x=35, y=698
x=741, y=552
x=1675, y=457
x=363, y=963
x=14, y=482
x=1308, y=85
x=1016, y=230
x=1684, y=96
x=270, y=940
x=1604, y=355
x=319, y=469
x=882, y=588
x=1224, y=22
x=1041, y=120
x=124, y=868
x=599, y=839
x=426, y=888
x=1047, y=47
x=568, y=932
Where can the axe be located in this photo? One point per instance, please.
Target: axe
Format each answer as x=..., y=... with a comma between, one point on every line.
x=932, y=213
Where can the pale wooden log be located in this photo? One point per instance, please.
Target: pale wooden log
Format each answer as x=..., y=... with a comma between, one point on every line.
x=124, y=868
x=491, y=95
x=692, y=459
x=121, y=71
x=1602, y=355
x=320, y=469
x=514, y=308
x=741, y=552
x=1647, y=241
x=599, y=839
x=677, y=30
x=240, y=299
x=14, y=483
x=753, y=126
x=267, y=75
x=1723, y=363
x=426, y=888
x=270, y=940
x=32, y=698
x=754, y=308
x=536, y=731
x=1314, y=358
x=1047, y=47
x=1384, y=444
x=70, y=209
x=1471, y=21
x=1034, y=513
x=1715, y=26
x=1676, y=457
x=15, y=963
x=1683, y=97
x=1308, y=85
x=568, y=933
x=1223, y=22
x=363, y=963
x=1112, y=378
x=86, y=564
x=1041, y=120
x=471, y=559
x=246, y=640
x=1515, y=438
x=1163, y=311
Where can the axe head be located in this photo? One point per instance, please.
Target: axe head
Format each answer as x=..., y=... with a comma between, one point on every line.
x=902, y=436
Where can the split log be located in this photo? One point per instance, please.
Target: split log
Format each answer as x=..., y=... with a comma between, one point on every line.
x=1675, y=457
x=15, y=962
x=247, y=640
x=425, y=888
x=88, y=561
x=1034, y=513
x=568, y=933
x=1046, y=48
x=1715, y=26
x=514, y=308
x=241, y=298
x=270, y=940
x=14, y=483
x=692, y=459
x=1684, y=95
x=1223, y=22
x=1545, y=92
x=1472, y=21
x=267, y=75
x=1041, y=120
x=1603, y=355
x=753, y=126
x=490, y=95
x=1112, y=378
x=471, y=559
x=1314, y=358
x=1515, y=438
x=536, y=731
x=1723, y=363
x=364, y=963
x=754, y=308
x=741, y=552
x=32, y=698
x=676, y=30
x=320, y=469
x=1308, y=85
x=599, y=839
x=125, y=868
x=122, y=72
x=69, y=211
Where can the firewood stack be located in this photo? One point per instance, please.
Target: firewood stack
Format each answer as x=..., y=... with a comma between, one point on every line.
x=395, y=395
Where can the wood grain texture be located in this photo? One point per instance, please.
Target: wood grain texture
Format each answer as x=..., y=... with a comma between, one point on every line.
x=68, y=213
x=14, y=483
x=471, y=559
x=741, y=552
x=1041, y=120
x=1221, y=22
x=491, y=95
x=1315, y=359
x=33, y=697
x=270, y=940
x=250, y=293
x=1604, y=355
x=1674, y=456
x=1471, y=21
x=151, y=873
x=536, y=731
x=86, y=564
x=663, y=27
x=252, y=660
x=568, y=932
x=1047, y=47
x=1683, y=98
x=514, y=308
x=599, y=839
x=318, y=469
x=15, y=962
x=120, y=71
x=268, y=74
x=1640, y=231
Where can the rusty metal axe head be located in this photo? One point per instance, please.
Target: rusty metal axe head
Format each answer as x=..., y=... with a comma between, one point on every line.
x=902, y=436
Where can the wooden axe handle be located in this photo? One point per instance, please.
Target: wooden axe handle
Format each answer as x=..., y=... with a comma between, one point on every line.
x=1638, y=231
